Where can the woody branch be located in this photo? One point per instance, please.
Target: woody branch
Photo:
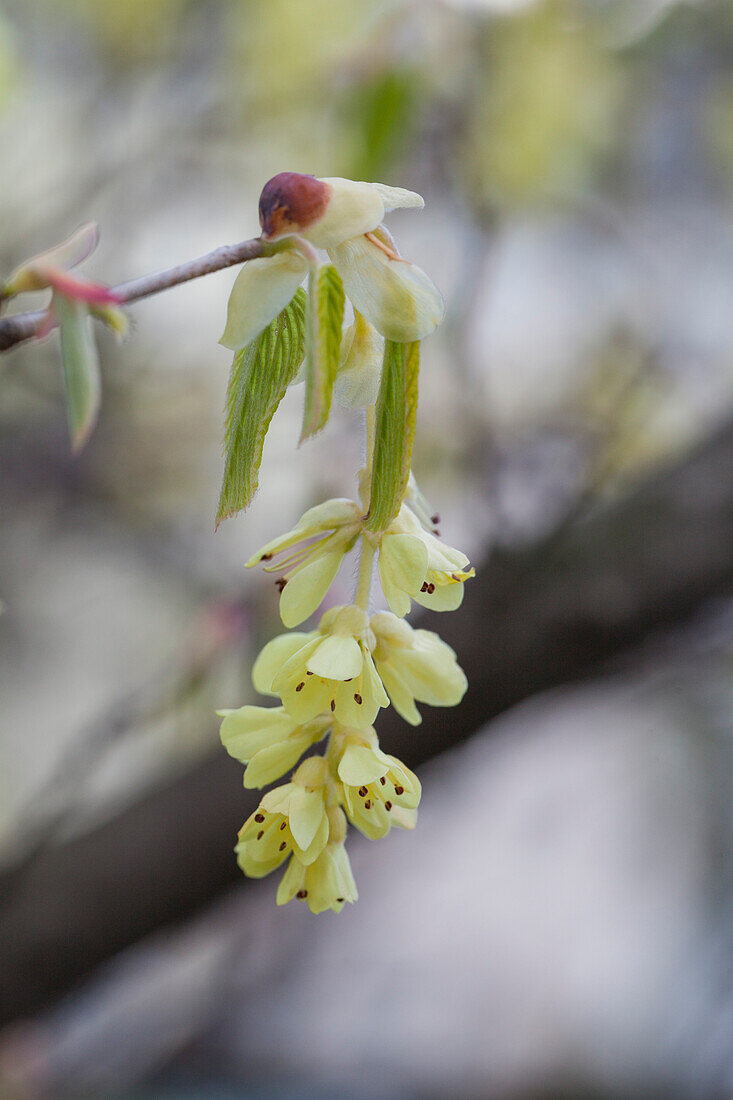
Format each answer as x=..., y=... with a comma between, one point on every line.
x=23, y=326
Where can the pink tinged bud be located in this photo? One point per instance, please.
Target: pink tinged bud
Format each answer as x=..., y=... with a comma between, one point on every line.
x=291, y=203
x=80, y=290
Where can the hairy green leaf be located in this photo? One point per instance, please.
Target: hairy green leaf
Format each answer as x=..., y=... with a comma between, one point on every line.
x=81, y=368
x=260, y=375
x=324, y=318
x=394, y=432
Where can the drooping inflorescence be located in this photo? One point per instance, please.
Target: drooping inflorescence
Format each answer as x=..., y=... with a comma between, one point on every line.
x=332, y=681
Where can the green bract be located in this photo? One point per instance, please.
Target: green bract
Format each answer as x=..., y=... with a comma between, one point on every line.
x=260, y=375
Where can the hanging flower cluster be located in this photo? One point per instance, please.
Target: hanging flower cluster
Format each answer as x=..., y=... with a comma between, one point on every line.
x=332, y=681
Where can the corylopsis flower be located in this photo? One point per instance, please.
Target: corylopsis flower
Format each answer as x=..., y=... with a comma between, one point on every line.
x=344, y=217
x=329, y=670
x=289, y=819
x=415, y=665
x=327, y=882
x=378, y=790
x=267, y=740
x=318, y=543
x=413, y=563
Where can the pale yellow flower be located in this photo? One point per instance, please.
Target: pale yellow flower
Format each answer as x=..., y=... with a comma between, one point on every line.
x=415, y=665
x=413, y=563
x=318, y=543
x=327, y=882
x=267, y=740
x=291, y=818
x=379, y=790
x=344, y=217
x=327, y=670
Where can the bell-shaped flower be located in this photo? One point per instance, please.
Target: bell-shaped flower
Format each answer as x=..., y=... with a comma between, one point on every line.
x=289, y=819
x=317, y=545
x=329, y=670
x=413, y=563
x=345, y=218
x=415, y=665
x=267, y=740
x=327, y=882
x=378, y=790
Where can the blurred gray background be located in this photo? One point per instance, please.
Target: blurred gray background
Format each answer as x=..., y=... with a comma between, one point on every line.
x=560, y=924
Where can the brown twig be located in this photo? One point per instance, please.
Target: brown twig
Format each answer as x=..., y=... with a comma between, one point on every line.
x=23, y=326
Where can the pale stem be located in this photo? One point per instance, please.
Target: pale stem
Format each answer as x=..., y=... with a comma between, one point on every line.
x=23, y=326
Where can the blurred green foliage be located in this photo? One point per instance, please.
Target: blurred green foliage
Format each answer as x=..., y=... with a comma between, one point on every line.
x=545, y=105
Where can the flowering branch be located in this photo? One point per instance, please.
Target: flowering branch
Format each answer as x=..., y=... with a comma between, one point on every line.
x=24, y=326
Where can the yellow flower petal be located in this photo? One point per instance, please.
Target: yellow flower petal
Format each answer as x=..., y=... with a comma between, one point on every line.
x=271, y=762
x=307, y=587
x=446, y=597
x=274, y=656
x=338, y=657
x=360, y=765
x=250, y=729
x=306, y=811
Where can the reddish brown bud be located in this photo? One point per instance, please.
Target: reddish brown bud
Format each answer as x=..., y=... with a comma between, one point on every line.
x=291, y=202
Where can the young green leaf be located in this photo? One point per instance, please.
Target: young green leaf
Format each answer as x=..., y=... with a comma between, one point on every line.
x=81, y=368
x=260, y=375
x=324, y=318
x=394, y=432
